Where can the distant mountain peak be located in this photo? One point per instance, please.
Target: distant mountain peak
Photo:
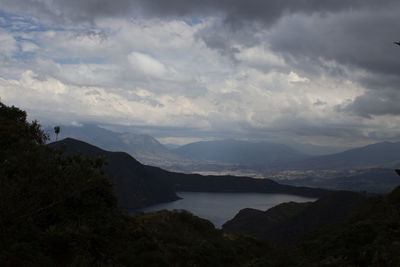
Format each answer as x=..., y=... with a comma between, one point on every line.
x=239, y=151
x=382, y=154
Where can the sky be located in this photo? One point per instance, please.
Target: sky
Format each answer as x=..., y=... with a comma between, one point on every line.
x=307, y=71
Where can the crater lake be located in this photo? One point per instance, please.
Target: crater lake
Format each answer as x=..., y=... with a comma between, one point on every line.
x=221, y=207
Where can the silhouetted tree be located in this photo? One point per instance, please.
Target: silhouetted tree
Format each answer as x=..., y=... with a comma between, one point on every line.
x=57, y=131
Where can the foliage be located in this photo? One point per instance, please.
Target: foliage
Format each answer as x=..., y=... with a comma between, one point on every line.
x=58, y=210
x=370, y=237
x=50, y=205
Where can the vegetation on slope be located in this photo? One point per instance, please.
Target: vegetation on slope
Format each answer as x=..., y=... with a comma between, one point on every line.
x=61, y=211
x=133, y=184
x=284, y=224
x=370, y=237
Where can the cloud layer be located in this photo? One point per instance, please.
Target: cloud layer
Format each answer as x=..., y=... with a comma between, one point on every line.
x=323, y=72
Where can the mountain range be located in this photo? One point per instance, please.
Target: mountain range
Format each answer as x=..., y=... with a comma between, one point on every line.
x=232, y=156
x=240, y=152
x=384, y=154
x=138, y=185
x=279, y=156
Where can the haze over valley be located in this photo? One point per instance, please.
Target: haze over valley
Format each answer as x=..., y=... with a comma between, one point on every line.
x=368, y=168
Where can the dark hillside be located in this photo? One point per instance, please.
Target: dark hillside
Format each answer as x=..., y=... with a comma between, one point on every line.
x=199, y=183
x=285, y=223
x=369, y=237
x=134, y=186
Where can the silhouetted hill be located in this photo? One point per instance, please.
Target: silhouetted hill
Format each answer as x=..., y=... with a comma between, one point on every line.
x=139, y=185
x=134, y=186
x=241, y=152
x=369, y=237
x=385, y=154
x=285, y=223
x=228, y=183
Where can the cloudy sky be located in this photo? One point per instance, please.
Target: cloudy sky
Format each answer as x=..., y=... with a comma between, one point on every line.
x=310, y=71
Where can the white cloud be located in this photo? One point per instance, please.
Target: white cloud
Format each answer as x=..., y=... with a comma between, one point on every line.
x=8, y=45
x=146, y=64
x=50, y=95
x=294, y=78
x=260, y=57
x=29, y=47
x=156, y=73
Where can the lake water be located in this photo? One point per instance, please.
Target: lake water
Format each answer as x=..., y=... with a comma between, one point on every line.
x=221, y=207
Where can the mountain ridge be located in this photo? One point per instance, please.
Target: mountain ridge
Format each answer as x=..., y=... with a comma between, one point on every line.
x=373, y=155
x=160, y=185
x=239, y=152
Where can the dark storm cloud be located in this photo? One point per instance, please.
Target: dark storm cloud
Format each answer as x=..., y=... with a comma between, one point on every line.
x=358, y=32
x=306, y=127
x=375, y=102
x=236, y=11
x=359, y=38
x=356, y=45
x=381, y=98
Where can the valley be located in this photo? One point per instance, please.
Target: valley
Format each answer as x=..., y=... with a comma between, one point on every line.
x=368, y=168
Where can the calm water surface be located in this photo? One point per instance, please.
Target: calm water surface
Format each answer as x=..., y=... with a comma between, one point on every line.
x=221, y=207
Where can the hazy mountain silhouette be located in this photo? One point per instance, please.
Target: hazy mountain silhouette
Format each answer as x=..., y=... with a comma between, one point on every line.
x=143, y=147
x=240, y=152
x=316, y=150
x=384, y=154
x=285, y=223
